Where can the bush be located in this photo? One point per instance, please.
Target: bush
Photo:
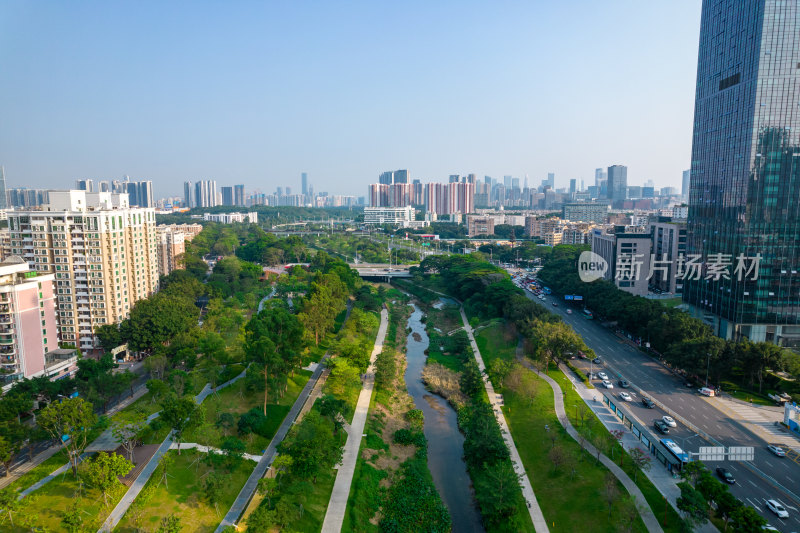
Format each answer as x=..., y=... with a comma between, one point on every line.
x=410, y=437
x=254, y=421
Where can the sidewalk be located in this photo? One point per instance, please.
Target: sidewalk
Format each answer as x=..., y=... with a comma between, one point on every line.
x=334, y=516
x=759, y=419
x=539, y=523
x=658, y=475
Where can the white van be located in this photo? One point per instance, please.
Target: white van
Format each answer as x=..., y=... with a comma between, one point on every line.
x=705, y=391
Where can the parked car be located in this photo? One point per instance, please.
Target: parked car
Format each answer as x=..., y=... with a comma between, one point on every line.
x=625, y=396
x=597, y=361
x=623, y=383
x=777, y=450
x=779, y=510
x=668, y=420
x=647, y=402
x=661, y=426
x=726, y=476
x=607, y=384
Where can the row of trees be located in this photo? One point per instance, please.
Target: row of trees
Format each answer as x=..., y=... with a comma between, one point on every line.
x=683, y=341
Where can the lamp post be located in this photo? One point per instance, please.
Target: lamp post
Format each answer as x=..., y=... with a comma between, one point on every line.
x=708, y=364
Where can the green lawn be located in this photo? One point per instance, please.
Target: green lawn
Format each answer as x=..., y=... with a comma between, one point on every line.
x=497, y=341
x=183, y=495
x=568, y=502
x=40, y=471
x=145, y=404
x=236, y=399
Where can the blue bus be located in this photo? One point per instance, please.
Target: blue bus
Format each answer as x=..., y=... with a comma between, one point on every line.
x=675, y=451
x=546, y=290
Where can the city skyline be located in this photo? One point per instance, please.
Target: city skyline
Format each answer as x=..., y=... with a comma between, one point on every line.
x=145, y=112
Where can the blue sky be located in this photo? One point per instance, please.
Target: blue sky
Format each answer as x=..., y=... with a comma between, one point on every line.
x=258, y=92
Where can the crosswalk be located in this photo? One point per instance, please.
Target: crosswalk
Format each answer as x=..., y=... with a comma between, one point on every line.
x=760, y=421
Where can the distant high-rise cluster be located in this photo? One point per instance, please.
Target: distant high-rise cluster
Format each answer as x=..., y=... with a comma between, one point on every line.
x=394, y=190
x=140, y=193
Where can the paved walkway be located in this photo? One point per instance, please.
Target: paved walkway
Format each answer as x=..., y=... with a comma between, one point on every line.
x=249, y=488
x=760, y=420
x=650, y=521
x=658, y=475
x=61, y=470
x=334, y=516
x=205, y=449
x=539, y=523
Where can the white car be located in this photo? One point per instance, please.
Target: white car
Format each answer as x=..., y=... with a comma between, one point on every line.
x=607, y=384
x=668, y=420
x=625, y=396
x=602, y=375
x=777, y=508
x=777, y=450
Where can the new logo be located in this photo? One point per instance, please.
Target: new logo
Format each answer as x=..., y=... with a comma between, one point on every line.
x=591, y=267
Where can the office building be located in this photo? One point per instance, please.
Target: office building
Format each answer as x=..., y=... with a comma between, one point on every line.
x=84, y=185
x=3, y=196
x=685, y=184
x=585, y=212
x=398, y=216
x=140, y=193
x=227, y=195
x=238, y=195
x=480, y=225
x=188, y=194
x=743, y=197
x=102, y=252
x=617, y=183
x=669, y=243
x=304, y=183
x=230, y=218
x=627, y=256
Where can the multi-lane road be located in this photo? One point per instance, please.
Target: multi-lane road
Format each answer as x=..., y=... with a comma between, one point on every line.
x=767, y=477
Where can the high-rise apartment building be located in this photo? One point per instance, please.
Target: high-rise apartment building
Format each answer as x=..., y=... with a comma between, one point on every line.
x=304, y=183
x=238, y=195
x=227, y=195
x=188, y=194
x=617, y=183
x=205, y=193
x=84, y=185
x=140, y=193
x=3, y=197
x=102, y=252
x=551, y=180
x=745, y=179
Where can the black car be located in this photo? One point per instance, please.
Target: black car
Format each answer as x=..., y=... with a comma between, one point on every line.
x=597, y=361
x=661, y=426
x=623, y=383
x=647, y=402
x=726, y=476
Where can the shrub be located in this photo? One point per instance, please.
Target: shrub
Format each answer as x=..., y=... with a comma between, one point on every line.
x=409, y=437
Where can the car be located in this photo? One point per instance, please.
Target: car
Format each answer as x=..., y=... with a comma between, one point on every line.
x=597, y=361
x=779, y=510
x=623, y=383
x=555, y=304
x=705, y=391
x=661, y=426
x=769, y=528
x=726, y=476
x=607, y=384
x=668, y=420
x=647, y=402
x=569, y=311
x=625, y=396
x=602, y=375
x=777, y=450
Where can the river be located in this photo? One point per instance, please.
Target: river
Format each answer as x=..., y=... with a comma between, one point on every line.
x=445, y=441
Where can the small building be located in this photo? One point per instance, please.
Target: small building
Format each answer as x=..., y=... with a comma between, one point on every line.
x=397, y=216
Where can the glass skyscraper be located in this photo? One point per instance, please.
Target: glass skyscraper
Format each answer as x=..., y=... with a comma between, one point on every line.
x=744, y=196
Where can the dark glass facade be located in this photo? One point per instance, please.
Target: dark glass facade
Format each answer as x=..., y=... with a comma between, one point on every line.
x=744, y=196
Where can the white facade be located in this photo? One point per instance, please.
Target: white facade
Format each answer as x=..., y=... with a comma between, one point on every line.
x=398, y=216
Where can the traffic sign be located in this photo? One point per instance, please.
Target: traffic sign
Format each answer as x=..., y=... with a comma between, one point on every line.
x=741, y=453
x=711, y=453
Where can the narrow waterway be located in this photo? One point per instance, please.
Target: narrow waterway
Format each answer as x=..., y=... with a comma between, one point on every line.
x=445, y=441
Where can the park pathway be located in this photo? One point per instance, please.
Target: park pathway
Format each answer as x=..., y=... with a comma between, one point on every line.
x=649, y=519
x=139, y=483
x=334, y=516
x=535, y=511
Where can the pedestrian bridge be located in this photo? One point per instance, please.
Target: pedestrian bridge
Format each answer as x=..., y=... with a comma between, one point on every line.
x=381, y=271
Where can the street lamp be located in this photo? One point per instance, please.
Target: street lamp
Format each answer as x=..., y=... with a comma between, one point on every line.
x=708, y=364
x=684, y=439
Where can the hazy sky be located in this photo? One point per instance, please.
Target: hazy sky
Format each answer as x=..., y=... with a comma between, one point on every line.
x=258, y=92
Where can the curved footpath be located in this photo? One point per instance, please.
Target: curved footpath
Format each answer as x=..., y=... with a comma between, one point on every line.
x=649, y=519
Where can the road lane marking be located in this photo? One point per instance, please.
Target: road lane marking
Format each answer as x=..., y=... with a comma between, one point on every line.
x=768, y=463
x=756, y=486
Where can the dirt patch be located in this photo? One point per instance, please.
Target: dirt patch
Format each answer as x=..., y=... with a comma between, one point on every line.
x=444, y=382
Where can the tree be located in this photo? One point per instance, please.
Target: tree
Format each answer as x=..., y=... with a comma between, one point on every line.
x=102, y=472
x=180, y=414
x=342, y=374
x=170, y=524
x=262, y=519
x=692, y=504
x=499, y=488
x=641, y=459
x=610, y=491
x=69, y=423
x=470, y=380
x=225, y=422
x=557, y=456
x=9, y=503
x=267, y=487
x=156, y=364
x=158, y=389
x=627, y=514
x=126, y=426
x=727, y=503
x=745, y=519
x=12, y=437
x=109, y=336
x=72, y=520
x=214, y=488
x=692, y=471
x=233, y=449
x=499, y=369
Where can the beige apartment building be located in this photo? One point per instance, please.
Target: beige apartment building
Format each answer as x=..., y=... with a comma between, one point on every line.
x=172, y=241
x=101, y=251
